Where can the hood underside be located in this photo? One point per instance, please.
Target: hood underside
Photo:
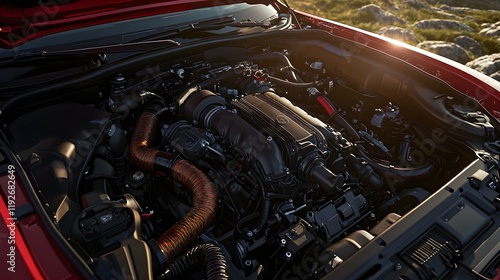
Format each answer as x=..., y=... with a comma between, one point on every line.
x=23, y=21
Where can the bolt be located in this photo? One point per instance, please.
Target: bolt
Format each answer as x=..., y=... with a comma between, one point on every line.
x=283, y=242
x=288, y=256
x=249, y=234
x=137, y=176
x=269, y=138
x=313, y=91
x=398, y=266
x=180, y=73
x=372, y=215
x=34, y=158
x=248, y=262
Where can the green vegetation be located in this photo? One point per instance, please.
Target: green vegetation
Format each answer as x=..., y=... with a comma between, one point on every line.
x=345, y=11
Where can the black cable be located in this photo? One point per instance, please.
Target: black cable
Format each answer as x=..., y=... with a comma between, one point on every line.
x=244, y=220
x=151, y=95
x=261, y=222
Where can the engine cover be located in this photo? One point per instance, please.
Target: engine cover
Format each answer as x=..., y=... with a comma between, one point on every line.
x=296, y=137
x=296, y=141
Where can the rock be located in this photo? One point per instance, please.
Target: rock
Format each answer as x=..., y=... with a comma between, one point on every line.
x=380, y=15
x=446, y=49
x=442, y=24
x=446, y=14
x=488, y=64
x=474, y=4
x=470, y=44
x=452, y=12
x=456, y=10
x=417, y=4
x=491, y=30
x=400, y=34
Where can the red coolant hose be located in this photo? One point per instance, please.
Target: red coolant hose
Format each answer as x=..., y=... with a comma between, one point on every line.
x=330, y=110
x=202, y=213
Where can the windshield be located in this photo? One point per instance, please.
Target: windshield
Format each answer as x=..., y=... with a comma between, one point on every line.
x=134, y=29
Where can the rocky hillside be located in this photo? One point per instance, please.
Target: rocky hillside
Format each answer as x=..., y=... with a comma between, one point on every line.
x=467, y=31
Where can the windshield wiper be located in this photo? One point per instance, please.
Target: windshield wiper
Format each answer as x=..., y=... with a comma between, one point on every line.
x=212, y=24
x=92, y=53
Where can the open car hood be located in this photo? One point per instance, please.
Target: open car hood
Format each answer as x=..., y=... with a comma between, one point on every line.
x=27, y=20
x=325, y=152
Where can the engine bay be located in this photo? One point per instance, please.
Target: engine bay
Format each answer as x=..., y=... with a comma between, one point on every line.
x=271, y=157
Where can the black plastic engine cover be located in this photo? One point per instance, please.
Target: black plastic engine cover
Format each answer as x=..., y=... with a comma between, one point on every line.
x=296, y=136
x=110, y=232
x=303, y=139
x=55, y=143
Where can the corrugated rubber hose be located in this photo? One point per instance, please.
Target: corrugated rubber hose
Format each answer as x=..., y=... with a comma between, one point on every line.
x=208, y=255
x=204, y=195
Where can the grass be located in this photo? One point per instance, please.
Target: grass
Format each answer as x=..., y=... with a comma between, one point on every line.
x=345, y=11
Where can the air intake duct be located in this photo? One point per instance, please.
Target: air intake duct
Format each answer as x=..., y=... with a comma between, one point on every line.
x=274, y=132
x=208, y=110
